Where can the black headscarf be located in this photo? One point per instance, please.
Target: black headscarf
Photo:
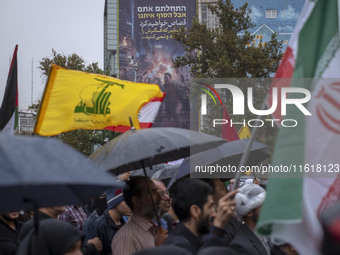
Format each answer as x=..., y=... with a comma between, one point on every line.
x=54, y=238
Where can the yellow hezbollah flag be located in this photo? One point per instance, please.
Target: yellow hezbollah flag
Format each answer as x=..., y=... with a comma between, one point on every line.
x=244, y=132
x=79, y=100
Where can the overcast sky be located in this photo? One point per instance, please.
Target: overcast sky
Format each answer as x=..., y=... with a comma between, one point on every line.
x=37, y=26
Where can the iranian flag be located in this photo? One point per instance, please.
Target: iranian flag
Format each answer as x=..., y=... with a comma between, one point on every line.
x=9, y=106
x=311, y=150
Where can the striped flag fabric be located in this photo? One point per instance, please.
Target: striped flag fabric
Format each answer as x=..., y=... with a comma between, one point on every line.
x=295, y=200
x=9, y=106
x=146, y=116
x=285, y=71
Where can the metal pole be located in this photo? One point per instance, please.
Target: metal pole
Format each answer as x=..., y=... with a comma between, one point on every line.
x=245, y=155
x=32, y=86
x=150, y=191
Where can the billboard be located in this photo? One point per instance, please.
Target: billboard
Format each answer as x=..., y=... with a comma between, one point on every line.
x=146, y=47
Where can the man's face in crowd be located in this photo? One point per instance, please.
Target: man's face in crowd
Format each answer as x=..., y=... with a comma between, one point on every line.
x=207, y=215
x=147, y=208
x=164, y=204
x=167, y=78
x=10, y=216
x=124, y=209
x=256, y=214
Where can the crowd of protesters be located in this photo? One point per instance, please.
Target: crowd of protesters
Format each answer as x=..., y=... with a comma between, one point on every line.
x=193, y=217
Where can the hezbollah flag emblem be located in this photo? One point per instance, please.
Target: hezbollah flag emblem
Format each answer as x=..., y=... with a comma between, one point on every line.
x=79, y=100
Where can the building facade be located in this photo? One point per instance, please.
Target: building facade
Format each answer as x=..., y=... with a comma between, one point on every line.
x=111, y=37
x=26, y=122
x=268, y=16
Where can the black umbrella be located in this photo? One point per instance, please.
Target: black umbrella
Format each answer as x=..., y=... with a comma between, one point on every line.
x=228, y=154
x=145, y=147
x=166, y=173
x=42, y=172
x=149, y=171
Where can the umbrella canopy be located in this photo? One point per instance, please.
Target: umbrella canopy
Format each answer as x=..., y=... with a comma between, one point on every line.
x=139, y=148
x=149, y=171
x=46, y=172
x=166, y=173
x=229, y=153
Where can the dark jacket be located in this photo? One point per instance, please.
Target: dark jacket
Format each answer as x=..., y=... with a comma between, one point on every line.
x=105, y=229
x=170, y=222
x=184, y=238
x=232, y=229
x=9, y=238
x=28, y=226
x=53, y=238
x=89, y=224
x=246, y=242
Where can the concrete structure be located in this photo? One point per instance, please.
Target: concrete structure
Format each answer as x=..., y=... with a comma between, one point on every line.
x=111, y=38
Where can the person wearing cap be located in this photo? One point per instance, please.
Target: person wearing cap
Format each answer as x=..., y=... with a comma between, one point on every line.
x=107, y=225
x=249, y=201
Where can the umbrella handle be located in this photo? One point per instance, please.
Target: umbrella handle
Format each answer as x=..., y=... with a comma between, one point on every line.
x=149, y=189
x=35, y=213
x=245, y=154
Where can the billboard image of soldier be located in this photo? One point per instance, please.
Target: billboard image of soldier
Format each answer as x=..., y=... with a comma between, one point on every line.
x=146, y=50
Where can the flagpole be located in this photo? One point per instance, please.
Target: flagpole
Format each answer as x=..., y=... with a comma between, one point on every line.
x=32, y=86
x=246, y=152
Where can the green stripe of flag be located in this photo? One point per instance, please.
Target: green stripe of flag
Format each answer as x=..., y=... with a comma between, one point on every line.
x=285, y=195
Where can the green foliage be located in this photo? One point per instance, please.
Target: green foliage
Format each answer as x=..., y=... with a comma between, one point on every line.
x=35, y=107
x=229, y=52
x=84, y=140
x=81, y=140
x=73, y=62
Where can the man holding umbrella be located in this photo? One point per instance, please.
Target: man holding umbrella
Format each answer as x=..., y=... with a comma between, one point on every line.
x=140, y=232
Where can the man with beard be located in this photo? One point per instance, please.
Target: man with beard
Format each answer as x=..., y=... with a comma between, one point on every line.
x=194, y=205
x=9, y=229
x=249, y=202
x=140, y=232
x=219, y=191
